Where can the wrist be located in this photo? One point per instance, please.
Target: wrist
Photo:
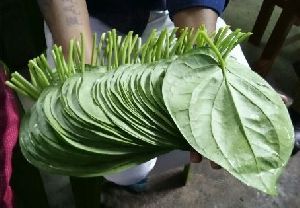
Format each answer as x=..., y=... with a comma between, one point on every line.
x=195, y=17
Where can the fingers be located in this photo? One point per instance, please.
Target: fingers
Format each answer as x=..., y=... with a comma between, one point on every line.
x=287, y=100
x=284, y=98
x=214, y=165
x=195, y=157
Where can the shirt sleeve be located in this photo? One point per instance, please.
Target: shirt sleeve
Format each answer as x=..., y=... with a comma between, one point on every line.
x=176, y=5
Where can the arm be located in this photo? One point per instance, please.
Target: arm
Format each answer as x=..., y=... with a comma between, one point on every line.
x=196, y=16
x=193, y=13
x=67, y=19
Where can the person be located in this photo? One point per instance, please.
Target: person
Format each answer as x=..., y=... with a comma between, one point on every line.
x=67, y=19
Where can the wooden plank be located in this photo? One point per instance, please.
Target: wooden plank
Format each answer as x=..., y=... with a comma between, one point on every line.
x=262, y=21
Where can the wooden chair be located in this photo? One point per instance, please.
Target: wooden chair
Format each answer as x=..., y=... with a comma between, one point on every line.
x=290, y=12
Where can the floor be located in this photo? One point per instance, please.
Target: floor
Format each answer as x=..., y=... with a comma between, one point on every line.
x=208, y=188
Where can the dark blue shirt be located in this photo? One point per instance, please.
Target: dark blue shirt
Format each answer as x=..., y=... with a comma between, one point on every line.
x=126, y=15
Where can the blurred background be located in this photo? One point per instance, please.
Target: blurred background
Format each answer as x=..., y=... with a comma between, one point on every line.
x=241, y=14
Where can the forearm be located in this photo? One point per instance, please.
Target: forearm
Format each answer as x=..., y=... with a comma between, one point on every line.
x=195, y=17
x=67, y=19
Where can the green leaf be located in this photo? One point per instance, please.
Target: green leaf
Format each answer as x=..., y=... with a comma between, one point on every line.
x=179, y=83
x=90, y=120
x=232, y=117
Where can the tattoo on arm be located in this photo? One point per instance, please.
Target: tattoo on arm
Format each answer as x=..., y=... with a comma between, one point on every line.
x=73, y=13
x=70, y=8
x=73, y=20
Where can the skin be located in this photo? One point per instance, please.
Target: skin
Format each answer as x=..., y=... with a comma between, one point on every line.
x=195, y=17
x=67, y=19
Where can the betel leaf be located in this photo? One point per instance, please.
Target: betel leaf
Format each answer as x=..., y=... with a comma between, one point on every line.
x=137, y=101
x=177, y=91
x=231, y=116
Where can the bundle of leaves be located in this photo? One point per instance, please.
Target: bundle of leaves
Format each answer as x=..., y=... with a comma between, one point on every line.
x=136, y=101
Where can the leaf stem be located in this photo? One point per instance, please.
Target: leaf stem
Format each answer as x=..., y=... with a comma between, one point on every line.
x=23, y=92
x=70, y=58
x=82, y=57
x=94, y=50
x=115, y=48
x=214, y=48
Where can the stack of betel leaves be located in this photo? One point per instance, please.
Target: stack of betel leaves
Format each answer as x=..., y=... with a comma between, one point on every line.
x=137, y=101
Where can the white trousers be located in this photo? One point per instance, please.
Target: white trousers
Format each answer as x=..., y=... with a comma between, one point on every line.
x=158, y=20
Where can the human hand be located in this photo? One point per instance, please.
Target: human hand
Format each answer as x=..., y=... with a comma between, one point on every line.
x=287, y=101
x=195, y=157
x=195, y=17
